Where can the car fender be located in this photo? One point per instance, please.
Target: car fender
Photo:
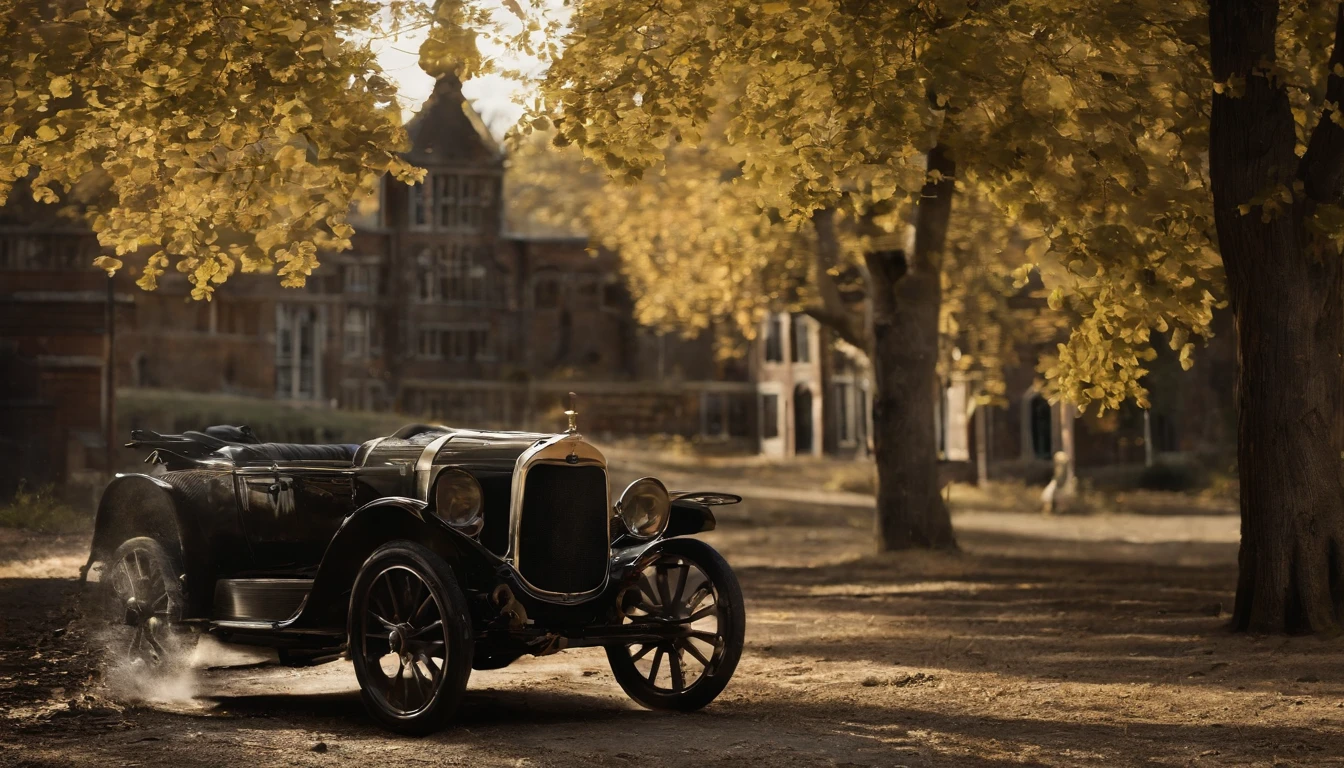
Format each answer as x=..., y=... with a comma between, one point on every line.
x=688, y=517
x=141, y=505
x=366, y=529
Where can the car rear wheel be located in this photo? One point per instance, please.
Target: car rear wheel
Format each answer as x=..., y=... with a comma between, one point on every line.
x=690, y=593
x=410, y=638
x=140, y=600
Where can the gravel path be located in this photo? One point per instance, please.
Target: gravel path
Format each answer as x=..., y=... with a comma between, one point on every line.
x=1071, y=641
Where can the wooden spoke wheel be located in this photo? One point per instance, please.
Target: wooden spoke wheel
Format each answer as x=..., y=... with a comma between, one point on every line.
x=141, y=601
x=689, y=595
x=410, y=638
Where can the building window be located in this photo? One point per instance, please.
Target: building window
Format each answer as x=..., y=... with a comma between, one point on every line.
x=613, y=295
x=352, y=396
x=461, y=201
x=48, y=251
x=739, y=406
x=140, y=370
x=361, y=278
x=455, y=346
x=430, y=345
x=419, y=206
x=769, y=416
x=358, y=333
x=774, y=342
x=844, y=428
x=299, y=333
x=861, y=416
x=456, y=343
x=800, y=341
x=481, y=348
x=445, y=201
x=546, y=293
x=236, y=317
x=1041, y=421
x=715, y=422
x=456, y=274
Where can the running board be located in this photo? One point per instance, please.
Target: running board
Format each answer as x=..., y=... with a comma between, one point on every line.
x=272, y=634
x=258, y=603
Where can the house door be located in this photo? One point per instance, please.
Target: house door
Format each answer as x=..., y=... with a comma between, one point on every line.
x=802, y=420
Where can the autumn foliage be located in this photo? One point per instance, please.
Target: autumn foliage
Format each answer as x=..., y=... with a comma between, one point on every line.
x=209, y=137
x=895, y=169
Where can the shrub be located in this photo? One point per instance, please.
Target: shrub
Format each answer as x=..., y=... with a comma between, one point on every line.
x=41, y=511
x=274, y=421
x=1171, y=476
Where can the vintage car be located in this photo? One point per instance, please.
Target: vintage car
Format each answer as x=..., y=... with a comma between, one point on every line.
x=421, y=556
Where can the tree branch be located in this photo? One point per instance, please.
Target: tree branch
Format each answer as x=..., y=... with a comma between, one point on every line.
x=1322, y=167
x=834, y=313
x=933, y=211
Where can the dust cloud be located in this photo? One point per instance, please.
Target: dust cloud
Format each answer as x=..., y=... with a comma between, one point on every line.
x=174, y=681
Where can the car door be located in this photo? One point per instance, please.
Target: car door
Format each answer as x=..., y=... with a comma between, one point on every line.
x=291, y=513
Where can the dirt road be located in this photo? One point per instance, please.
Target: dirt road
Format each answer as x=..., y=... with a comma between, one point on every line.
x=1077, y=641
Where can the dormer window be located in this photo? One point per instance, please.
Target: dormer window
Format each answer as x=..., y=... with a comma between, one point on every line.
x=456, y=202
x=445, y=200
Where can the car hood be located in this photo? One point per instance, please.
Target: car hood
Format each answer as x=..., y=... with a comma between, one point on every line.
x=451, y=446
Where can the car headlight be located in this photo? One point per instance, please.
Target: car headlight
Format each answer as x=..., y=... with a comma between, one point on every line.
x=644, y=508
x=458, y=501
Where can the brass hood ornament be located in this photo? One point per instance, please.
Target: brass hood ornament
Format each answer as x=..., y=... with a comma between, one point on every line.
x=573, y=414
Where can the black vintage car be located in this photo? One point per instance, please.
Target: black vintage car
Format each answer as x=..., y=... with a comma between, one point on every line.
x=421, y=555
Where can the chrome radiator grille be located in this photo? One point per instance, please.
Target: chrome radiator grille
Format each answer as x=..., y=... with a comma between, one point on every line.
x=562, y=534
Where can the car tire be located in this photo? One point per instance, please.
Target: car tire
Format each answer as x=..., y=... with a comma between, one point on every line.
x=410, y=638
x=139, y=598
x=638, y=667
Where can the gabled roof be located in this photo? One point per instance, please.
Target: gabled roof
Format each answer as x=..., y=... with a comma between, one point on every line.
x=447, y=131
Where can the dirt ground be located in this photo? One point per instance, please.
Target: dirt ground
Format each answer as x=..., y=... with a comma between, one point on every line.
x=1085, y=640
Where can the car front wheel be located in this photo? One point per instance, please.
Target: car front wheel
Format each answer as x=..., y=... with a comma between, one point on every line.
x=410, y=638
x=689, y=594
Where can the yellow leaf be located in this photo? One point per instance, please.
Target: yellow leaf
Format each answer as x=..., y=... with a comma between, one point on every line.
x=109, y=264
x=60, y=87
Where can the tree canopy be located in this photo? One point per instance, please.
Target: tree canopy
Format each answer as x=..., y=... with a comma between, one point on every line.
x=207, y=136
x=716, y=261
x=1083, y=123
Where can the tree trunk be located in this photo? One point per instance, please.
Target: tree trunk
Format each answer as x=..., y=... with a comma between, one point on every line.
x=906, y=297
x=1288, y=298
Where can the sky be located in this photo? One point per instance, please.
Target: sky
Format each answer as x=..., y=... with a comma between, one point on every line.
x=491, y=95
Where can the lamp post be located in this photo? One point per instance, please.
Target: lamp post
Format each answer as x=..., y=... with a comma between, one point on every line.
x=110, y=378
